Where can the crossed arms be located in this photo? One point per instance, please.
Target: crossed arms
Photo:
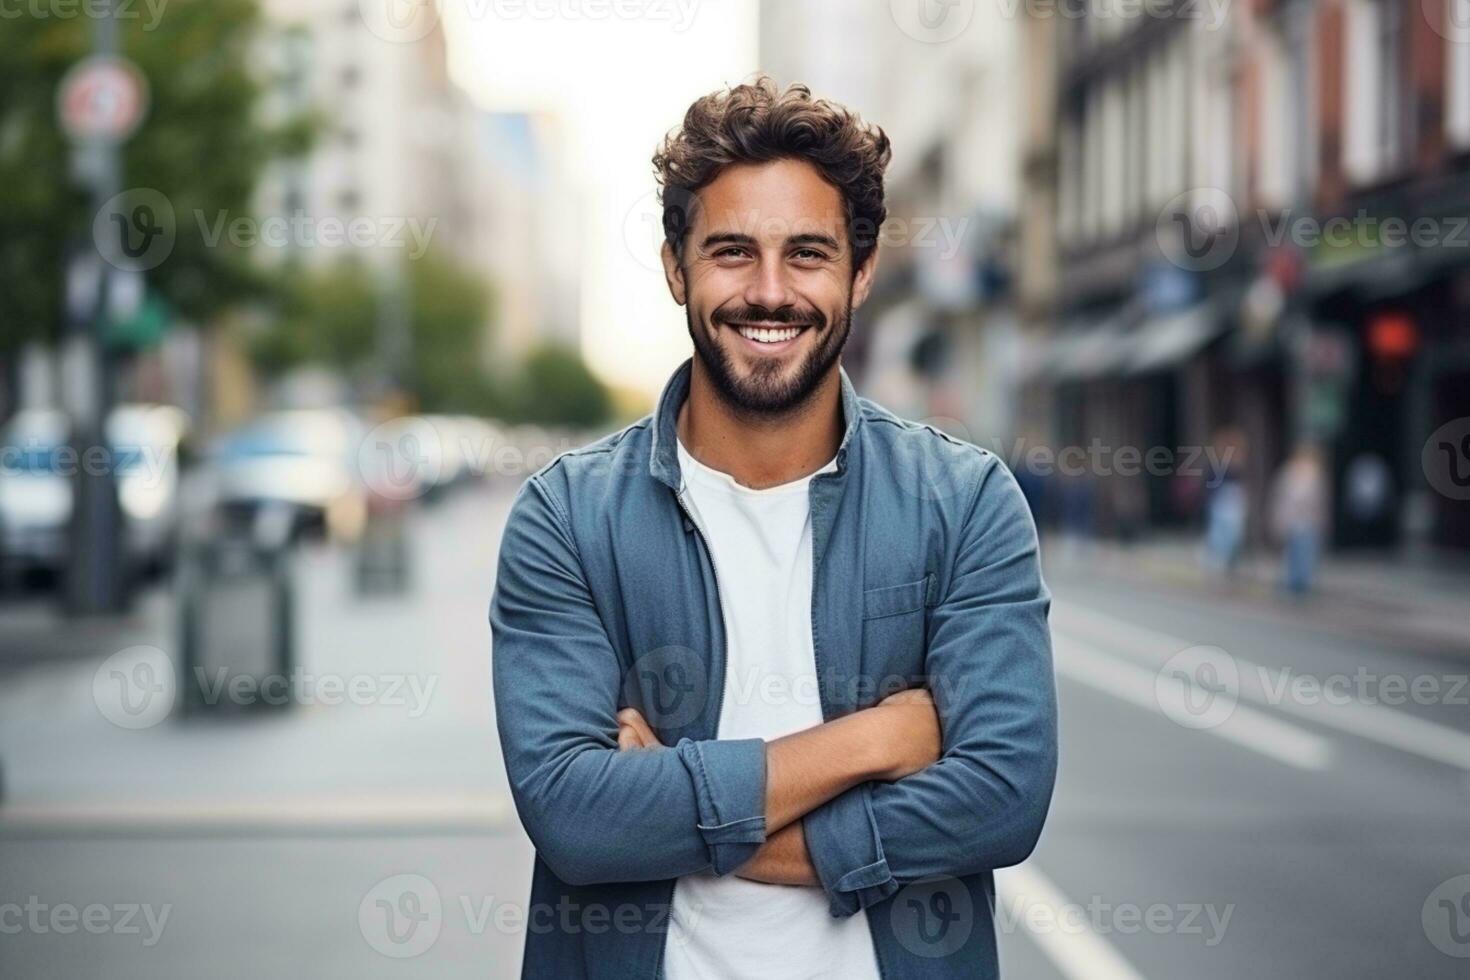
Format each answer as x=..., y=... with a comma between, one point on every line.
x=889, y=741
x=863, y=803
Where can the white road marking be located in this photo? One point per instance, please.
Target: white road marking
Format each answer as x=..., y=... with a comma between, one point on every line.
x=1073, y=947
x=1375, y=722
x=443, y=811
x=1247, y=727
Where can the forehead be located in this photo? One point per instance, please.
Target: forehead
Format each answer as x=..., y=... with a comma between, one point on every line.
x=771, y=200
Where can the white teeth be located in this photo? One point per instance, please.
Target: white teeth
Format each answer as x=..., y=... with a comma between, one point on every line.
x=766, y=335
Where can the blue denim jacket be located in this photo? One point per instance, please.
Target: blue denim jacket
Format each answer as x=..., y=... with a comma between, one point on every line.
x=925, y=572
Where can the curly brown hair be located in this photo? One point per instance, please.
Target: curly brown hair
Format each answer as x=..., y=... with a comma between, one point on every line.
x=757, y=123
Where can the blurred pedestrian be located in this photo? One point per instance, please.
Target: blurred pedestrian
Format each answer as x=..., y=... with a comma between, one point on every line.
x=1299, y=515
x=1076, y=499
x=1228, y=507
x=1130, y=507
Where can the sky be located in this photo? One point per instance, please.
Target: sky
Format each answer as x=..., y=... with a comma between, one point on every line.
x=618, y=82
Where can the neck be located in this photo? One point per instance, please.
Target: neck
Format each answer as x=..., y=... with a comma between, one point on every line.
x=761, y=451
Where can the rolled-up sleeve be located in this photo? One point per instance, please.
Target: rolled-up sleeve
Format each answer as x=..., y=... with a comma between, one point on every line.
x=594, y=813
x=989, y=665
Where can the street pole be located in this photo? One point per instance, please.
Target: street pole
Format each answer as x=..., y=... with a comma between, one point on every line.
x=95, y=584
x=395, y=327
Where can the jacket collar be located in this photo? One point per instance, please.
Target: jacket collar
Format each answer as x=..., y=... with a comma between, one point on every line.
x=663, y=462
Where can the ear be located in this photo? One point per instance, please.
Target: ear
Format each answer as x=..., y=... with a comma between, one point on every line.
x=673, y=274
x=862, y=283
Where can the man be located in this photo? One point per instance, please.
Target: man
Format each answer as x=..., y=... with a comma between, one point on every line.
x=772, y=670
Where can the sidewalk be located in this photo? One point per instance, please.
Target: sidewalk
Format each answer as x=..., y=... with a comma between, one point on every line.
x=415, y=751
x=272, y=839
x=36, y=633
x=1415, y=603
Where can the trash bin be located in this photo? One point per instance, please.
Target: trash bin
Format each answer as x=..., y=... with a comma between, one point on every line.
x=383, y=555
x=237, y=631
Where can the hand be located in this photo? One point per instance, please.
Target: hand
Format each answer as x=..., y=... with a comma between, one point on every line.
x=907, y=733
x=634, y=733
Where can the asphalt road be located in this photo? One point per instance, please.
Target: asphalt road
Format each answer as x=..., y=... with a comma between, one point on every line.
x=1304, y=799
x=1217, y=816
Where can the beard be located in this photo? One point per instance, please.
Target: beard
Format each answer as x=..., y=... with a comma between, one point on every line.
x=764, y=391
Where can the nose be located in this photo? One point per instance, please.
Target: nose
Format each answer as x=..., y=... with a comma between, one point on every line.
x=769, y=285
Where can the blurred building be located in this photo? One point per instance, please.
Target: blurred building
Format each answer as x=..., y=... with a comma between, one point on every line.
x=389, y=146
x=404, y=151
x=937, y=338
x=1124, y=116
x=1236, y=189
x=524, y=234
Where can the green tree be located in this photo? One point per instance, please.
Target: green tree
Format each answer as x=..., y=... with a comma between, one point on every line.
x=450, y=308
x=326, y=316
x=555, y=387
x=332, y=316
x=202, y=146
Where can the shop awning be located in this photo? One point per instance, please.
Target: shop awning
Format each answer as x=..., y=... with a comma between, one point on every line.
x=1170, y=339
x=1089, y=350
x=1121, y=345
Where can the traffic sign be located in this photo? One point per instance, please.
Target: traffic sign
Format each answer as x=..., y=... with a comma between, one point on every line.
x=102, y=99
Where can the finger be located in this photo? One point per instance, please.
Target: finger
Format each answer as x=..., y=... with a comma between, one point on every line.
x=635, y=720
x=628, y=738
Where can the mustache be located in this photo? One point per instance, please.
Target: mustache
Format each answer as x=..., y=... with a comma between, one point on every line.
x=789, y=315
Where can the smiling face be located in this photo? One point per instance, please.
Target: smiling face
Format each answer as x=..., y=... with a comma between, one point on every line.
x=766, y=279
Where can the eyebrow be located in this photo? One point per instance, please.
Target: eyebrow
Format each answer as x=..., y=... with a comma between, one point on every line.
x=739, y=238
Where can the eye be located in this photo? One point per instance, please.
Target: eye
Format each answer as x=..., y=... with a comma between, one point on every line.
x=732, y=252
x=809, y=255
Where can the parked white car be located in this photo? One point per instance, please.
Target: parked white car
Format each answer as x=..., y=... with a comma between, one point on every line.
x=306, y=459
x=37, y=472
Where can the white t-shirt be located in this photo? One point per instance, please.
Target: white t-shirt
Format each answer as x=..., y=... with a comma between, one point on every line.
x=730, y=928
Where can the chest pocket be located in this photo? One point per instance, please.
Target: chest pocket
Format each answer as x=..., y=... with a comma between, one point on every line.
x=894, y=620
